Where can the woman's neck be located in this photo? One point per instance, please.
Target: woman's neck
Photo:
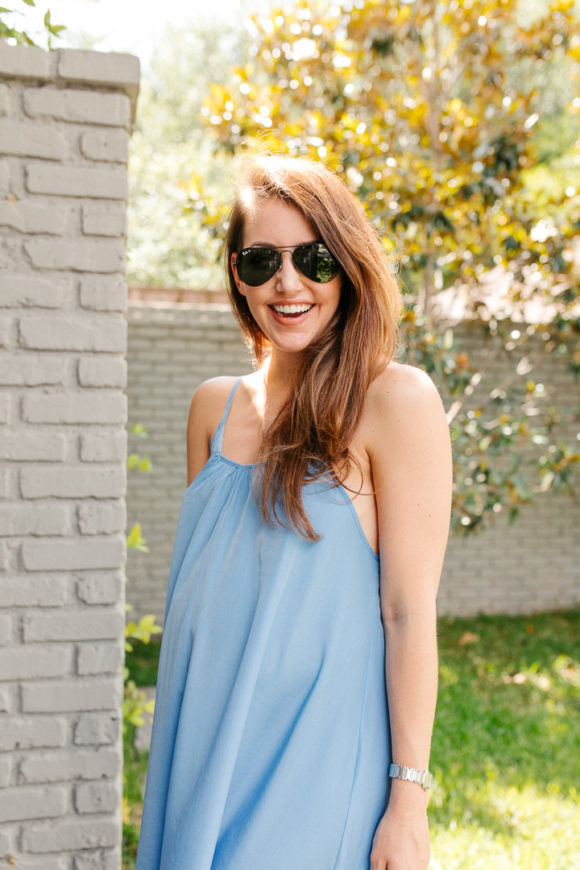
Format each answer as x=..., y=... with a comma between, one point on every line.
x=279, y=371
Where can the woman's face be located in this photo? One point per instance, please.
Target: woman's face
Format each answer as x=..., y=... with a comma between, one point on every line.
x=290, y=309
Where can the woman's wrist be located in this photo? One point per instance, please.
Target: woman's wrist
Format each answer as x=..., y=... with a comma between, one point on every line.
x=407, y=797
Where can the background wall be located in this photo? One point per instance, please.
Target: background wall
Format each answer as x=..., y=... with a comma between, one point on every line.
x=531, y=565
x=65, y=118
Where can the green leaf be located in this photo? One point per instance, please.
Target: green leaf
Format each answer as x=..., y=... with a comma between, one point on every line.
x=136, y=540
x=29, y=2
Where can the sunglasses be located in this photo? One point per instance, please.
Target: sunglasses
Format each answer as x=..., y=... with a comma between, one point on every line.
x=258, y=264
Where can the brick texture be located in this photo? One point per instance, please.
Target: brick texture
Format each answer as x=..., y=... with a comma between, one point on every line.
x=32, y=733
x=30, y=371
x=72, y=481
x=109, y=146
x=24, y=63
x=95, y=182
x=82, y=255
x=96, y=797
x=88, y=107
x=97, y=729
x=31, y=218
x=25, y=290
x=61, y=766
x=65, y=119
x=31, y=140
x=32, y=803
x=71, y=835
x=70, y=696
x=37, y=520
x=33, y=662
x=90, y=624
x=105, y=332
x=103, y=588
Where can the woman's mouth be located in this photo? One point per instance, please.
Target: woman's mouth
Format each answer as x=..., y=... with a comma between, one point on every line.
x=292, y=310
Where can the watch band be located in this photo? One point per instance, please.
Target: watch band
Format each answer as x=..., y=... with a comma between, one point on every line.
x=411, y=774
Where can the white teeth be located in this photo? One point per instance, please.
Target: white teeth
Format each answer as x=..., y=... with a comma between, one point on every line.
x=291, y=309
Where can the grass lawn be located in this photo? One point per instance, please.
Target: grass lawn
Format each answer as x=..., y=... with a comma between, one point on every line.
x=506, y=749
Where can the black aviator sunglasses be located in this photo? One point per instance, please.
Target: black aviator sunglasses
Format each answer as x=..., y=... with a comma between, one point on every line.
x=258, y=264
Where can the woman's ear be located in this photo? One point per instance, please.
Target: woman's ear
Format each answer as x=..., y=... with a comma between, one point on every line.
x=239, y=283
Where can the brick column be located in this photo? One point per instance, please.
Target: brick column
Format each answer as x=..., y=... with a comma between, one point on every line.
x=65, y=120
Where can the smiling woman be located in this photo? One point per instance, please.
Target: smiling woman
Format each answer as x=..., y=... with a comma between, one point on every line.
x=297, y=675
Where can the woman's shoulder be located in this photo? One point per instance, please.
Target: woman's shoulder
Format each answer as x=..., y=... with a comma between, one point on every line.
x=205, y=412
x=207, y=405
x=213, y=391
x=401, y=382
x=401, y=397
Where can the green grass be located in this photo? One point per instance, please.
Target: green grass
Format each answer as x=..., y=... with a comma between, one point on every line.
x=505, y=752
x=135, y=768
x=505, y=744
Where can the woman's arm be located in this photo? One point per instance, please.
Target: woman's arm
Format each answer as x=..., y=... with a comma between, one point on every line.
x=410, y=453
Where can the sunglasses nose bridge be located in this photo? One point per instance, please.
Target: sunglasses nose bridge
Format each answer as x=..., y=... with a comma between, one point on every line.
x=288, y=275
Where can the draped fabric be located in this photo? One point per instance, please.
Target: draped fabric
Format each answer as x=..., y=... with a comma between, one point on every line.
x=270, y=744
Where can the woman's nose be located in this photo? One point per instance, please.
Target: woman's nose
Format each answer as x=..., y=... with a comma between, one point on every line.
x=288, y=275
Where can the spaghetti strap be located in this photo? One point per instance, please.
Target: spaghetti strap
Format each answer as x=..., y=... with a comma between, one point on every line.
x=218, y=435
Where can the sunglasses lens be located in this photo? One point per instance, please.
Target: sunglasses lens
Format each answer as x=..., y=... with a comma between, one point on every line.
x=316, y=262
x=257, y=265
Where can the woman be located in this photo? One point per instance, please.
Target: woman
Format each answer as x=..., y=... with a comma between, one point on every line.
x=298, y=667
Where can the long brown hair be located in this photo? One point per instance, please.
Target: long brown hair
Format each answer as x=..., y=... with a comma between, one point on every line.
x=311, y=434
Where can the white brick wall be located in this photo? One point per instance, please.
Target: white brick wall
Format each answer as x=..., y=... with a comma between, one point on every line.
x=64, y=128
x=531, y=565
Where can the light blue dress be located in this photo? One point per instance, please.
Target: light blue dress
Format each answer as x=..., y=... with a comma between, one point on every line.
x=270, y=745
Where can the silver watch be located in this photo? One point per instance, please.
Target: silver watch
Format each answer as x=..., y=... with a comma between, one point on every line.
x=411, y=774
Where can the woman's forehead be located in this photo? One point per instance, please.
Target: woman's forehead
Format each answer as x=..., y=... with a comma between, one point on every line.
x=277, y=222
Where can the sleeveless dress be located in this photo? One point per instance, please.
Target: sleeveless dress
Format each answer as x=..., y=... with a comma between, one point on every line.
x=270, y=745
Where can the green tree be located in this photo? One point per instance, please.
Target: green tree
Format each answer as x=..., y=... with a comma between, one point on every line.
x=169, y=243
x=429, y=109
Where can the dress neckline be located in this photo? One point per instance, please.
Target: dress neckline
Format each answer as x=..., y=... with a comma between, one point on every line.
x=216, y=451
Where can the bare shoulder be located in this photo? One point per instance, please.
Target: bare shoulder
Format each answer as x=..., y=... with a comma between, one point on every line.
x=402, y=388
x=404, y=419
x=210, y=397
x=205, y=411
